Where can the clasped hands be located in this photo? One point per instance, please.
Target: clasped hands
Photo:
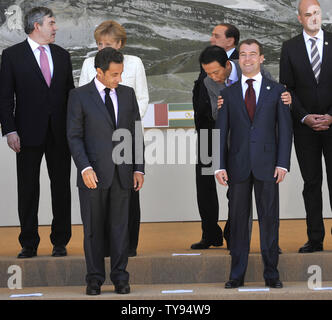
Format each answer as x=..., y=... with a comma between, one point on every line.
x=318, y=122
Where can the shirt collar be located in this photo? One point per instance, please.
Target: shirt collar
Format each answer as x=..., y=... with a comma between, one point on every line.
x=101, y=87
x=258, y=78
x=233, y=75
x=34, y=45
x=229, y=52
x=319, y=35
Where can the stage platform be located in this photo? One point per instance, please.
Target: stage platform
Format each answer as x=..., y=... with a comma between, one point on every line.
x=164, y=262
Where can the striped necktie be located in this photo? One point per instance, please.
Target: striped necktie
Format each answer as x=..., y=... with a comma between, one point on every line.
x=315, y=58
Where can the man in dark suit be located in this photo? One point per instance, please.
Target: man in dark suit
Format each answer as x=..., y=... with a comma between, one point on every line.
x=36, y=77
x=255, y=147
x=227, y=37
x=306, y=70
x=99, y=113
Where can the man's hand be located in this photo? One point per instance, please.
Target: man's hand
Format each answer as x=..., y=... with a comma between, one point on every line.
x=318, y=122
x=90, y=179
x=222, y=177
x=286, y=98
x=220, y=102
x=138, y=181
x=13, y=141
x=279, y=174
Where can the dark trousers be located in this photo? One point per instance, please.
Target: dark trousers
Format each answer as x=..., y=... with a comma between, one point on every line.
x=309, y=150
x=267, y=203
x=206, y=191
x=134, y=220
x=105, y=221
x=58, y=163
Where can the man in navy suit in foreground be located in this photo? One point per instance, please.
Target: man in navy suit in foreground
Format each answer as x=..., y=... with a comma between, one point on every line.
x=255, y=147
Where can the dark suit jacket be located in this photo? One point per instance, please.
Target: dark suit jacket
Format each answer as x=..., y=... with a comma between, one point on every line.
x=35, y=104
x=256, y=147
x=90, y=132
x=296, y=73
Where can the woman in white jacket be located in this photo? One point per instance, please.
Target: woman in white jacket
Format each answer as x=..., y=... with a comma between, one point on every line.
x=111, y=34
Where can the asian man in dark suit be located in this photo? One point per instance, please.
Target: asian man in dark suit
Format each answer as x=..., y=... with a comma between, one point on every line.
x=255, y=147
x=106, y=141
x=306, y=70
x=35, y=80
x=225, y=36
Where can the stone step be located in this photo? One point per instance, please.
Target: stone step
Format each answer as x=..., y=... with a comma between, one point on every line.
x=209, y=267
x=193, y=291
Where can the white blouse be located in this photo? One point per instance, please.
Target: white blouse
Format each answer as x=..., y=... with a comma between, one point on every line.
x=133, y=76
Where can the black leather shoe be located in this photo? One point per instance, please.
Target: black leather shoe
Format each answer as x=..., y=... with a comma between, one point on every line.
x=27, y=252
x=273, y=283
x=93, y=288
x=311, y=247
x=205, y=244
x=59, y=251
x=232, y=284
x=122, y=287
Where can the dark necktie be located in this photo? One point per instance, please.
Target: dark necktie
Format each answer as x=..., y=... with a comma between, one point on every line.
x=250, y=99
x=109, y=105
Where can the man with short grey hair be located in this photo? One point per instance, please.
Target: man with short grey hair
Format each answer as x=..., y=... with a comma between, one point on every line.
x=36, y=77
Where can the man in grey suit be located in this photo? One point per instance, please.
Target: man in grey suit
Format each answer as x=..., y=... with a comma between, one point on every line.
x=108, y=153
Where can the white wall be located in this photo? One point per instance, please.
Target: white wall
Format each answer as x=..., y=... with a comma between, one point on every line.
x=169, y=193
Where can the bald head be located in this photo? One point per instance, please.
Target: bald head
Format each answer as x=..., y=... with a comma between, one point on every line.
x=304, y=4
x=310, y=16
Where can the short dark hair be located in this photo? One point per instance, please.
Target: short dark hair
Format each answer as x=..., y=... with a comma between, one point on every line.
x=231, y=32
x=253, y=41
x=36, y=14
x=213, y=53
x=107, y=55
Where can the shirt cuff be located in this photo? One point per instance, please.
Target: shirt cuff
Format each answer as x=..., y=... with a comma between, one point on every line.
x=85, y=169
x=140, y=172
x=302, y=121
x=10, y=133
x=283, y=169
x=217, y=171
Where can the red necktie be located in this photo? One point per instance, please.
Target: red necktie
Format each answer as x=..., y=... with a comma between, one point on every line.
x=250, y=99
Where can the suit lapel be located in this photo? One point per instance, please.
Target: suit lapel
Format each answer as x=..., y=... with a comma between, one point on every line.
x=325, y=61
x=303, y=56
x=264, y=91
x=56, y=61
x=31, y=60
x=119, y=97
x=238, y=95
x=99, y=102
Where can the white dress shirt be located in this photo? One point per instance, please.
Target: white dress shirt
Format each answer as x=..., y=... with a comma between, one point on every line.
x=256, y=84
x=34, y=47
x=133, y=76
x=319, y=43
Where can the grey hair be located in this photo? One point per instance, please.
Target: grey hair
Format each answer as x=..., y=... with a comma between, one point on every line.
x=36, y=14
